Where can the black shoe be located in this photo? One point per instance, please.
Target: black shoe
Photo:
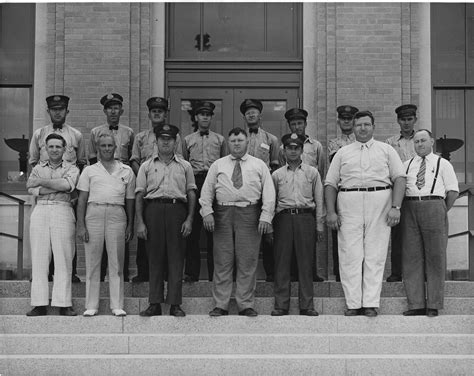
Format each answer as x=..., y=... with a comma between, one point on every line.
x=152, y=310
x=75, y=279
x=317, y=278
x=353, y=312
x=308, y=312
x=50, y=278
x=394, y=278
x=270, y=278
x=67, y=311
x=431, y=312
x=279, y=312
x=176, y=311
x=216, y=312
x=139, y=279
x=415, y=312
x=249, y=312
x=37, y=311
x=370, y=312
x=189, y=279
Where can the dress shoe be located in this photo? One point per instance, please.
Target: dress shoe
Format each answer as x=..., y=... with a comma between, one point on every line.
x=249, y=312
x=279, y=312
x=353, y=312
x=152, y=310
x=216, y=312
x=394, y=278
x=270, y=278
x=415, y=312
x=119, y=312
x=308, y=312
x=189, y=279
x=431, y=312
x=317, y=278
x=75, y=279
x=67, y=311
x=370, y=312
x=90, y=313
x=50, y=278
x=139, y=278
x=37, y=311
x=176, y=311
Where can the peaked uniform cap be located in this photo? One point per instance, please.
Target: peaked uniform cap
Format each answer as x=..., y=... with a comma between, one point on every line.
x=250, y=103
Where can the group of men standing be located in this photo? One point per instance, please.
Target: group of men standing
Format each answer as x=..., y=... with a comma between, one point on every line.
x=250, y=194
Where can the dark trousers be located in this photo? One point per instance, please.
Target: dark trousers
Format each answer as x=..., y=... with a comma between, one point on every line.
x=425, y=238
x=267, y=257
x=105, y=260
x=335, y=255
x=165, y=242
x=142, y=259
x=396, y=250
x=294, y=233
x=193, y=251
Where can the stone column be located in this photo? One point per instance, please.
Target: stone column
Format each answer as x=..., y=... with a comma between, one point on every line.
x=157, y=48
x=424, y=110
x=39, y=83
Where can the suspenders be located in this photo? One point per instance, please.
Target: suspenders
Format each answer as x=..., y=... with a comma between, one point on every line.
x=436, y=173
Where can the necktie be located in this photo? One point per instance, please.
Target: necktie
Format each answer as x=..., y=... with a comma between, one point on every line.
x=364, y=157
x=204, y=133
x=253, y=130
x=420, y=177
x=237, y=174
x=113, y=127
x=57, y=127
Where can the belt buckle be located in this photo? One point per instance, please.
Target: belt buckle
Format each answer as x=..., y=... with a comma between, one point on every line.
x=293, y=211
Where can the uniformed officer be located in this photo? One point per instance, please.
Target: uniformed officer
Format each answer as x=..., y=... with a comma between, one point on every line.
x=123, y=135
x=432, y=188
x=237, y=204
x=403, y=144
x=265, y=146
x=144, y=147
x=313, y=154
x=74, y=153
x=364, y=172
x=166, y=199
x=105, y=213
x=297, y=224
x=52, y=228
x=201, y=149
x=345, y=115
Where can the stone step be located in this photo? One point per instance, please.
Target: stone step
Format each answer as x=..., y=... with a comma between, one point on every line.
x=17, y=289
x=263, y=305
x=237, y=364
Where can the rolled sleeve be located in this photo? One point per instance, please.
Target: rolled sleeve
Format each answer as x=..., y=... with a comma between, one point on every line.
x=449, y=177
x=190, y=182
x=319, y=201
x=396, y=168
x=84, y=181
x=140, y=185
x=268, y=197
x=72, y=177
x=131, y=185
x=208, y=191
x=333, y=176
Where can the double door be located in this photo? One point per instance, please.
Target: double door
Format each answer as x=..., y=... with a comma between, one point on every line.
x=276, y=101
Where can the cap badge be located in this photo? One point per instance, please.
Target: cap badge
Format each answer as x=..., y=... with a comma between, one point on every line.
x=110, y=96
x=347, y=109
x=294, y=136
x=57, y=98
x=166, y=128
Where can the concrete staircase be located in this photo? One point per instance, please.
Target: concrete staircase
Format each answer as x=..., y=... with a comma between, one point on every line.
x=330, y=344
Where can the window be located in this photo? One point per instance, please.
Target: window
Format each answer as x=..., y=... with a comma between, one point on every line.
x=452, y=35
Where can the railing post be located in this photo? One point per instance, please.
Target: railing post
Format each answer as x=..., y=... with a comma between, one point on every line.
x=21, y=218
x=470, y=226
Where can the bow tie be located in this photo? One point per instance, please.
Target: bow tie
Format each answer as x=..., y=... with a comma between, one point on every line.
x=204, y=133
x=253, y=130
x=113, y=127
x=57, y=126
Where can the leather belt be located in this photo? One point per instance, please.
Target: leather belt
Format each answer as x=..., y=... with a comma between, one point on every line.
x=200, y=173
x=103, y=204
x=240, y=204
x=53, y=202
x=166, y=200
x=294, y=211
x=369, y=189
x=423, y=198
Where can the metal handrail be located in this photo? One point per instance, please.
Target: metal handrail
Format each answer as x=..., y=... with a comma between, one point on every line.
x=468, y=190
x=19, y=237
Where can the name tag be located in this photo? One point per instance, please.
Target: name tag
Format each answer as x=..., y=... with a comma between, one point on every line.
x=265, y=146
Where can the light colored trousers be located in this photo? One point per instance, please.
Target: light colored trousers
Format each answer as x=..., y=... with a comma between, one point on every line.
x=52, y=227
x=105, y=223
x=363, y=244
x=236, y=238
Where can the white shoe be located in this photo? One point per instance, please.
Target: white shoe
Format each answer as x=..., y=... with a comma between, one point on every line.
x=90, y=312
x=119, y=312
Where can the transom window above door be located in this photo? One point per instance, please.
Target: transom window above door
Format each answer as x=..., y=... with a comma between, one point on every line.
x=234, y=31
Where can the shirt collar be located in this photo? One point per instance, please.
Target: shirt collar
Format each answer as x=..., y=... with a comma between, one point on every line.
x=350, y=137
x=46, y=163
x=300, y=166
x=156, y=156
x=411, y=135
x=368, y=143
x=244, y=157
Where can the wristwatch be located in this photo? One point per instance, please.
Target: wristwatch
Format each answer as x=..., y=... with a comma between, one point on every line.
x=395, y=207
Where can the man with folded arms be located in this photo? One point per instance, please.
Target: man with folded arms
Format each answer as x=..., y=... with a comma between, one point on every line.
x=364, y=173
x=166, y=198
x=52, y=228
x=242, y=188
x=432, y=188
x=297, y=224
x=105, y=212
